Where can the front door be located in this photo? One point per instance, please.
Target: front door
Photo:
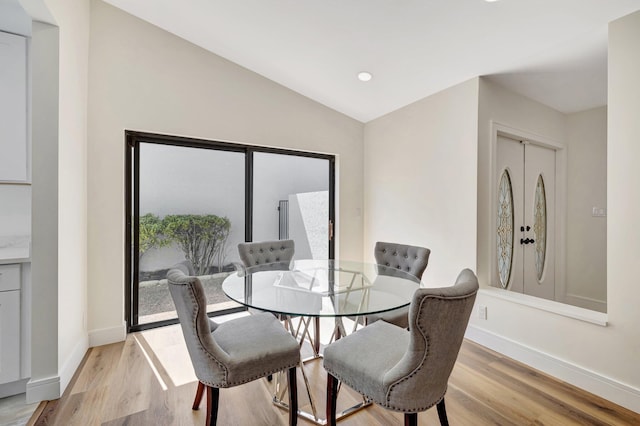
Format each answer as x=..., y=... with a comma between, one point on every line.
x=527, y=192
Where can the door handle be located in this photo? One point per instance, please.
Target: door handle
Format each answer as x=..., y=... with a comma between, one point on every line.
x=527, y=241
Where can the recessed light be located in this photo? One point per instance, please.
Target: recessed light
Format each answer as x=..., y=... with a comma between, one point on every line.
x=364, y=76
x=490, y=1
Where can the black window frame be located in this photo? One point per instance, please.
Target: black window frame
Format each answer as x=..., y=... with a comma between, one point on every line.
x=132, y=186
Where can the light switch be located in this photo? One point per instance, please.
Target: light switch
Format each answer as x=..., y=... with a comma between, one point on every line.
x=482, y=312
x=599, y=212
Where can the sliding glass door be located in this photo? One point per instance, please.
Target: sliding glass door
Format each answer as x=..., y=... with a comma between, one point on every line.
x=291, y=201
x=194, y=200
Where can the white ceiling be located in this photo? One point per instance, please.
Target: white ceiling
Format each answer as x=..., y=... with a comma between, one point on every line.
x=553, y=51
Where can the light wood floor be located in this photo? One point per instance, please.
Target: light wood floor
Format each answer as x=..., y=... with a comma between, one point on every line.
x=148, y=380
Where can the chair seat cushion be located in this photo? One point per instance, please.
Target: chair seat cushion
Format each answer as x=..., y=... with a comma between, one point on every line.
x=398, y=317
x=364, y=371
x=258, y=345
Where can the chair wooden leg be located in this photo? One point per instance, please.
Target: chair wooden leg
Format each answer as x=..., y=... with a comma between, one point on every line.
x=199, y=393
x=332, y=399
x=213, y=396
x=293, y=397
x=411, y=419
x=442, y=413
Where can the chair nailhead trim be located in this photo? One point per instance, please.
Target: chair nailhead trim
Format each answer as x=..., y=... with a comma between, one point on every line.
x=225, y=383
x=194, y=321
x=426, y=355
x=250, y=379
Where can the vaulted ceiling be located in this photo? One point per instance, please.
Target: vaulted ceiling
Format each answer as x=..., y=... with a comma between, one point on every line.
x=554, y=51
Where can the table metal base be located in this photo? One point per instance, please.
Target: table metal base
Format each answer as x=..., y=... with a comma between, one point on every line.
x=281, y=388
x=301, y=332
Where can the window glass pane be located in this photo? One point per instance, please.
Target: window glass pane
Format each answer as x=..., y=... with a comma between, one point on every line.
x=505, y=229
x=540, y=226
x=291, y=201
x=184, y=189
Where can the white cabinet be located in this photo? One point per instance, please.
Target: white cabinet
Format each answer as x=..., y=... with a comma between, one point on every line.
x=13, y=108
x=9, y=323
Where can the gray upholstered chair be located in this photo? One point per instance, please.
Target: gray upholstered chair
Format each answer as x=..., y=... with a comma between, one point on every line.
x=409, y=259
x=405, y=370
x=274, y=255
x=230, y=353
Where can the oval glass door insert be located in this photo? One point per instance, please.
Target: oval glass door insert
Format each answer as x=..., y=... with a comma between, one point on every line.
x=540, y=226
x=504, y=236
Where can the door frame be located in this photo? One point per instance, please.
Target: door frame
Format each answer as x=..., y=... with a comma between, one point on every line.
x=499, y=129
x=132, y=141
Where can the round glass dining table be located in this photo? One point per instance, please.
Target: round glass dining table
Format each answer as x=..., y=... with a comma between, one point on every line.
x=311, y=289
x=321, y=288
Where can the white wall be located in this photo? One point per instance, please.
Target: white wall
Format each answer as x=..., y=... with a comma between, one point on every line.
x=275, y=178
x=622, y=345
x=180, y=180
x=308, y=224
x=602, y=360
x=420, y=180
x=59, y=60
x=73, y=21
x=44, y=382
x=586, y=140
x=143, y=78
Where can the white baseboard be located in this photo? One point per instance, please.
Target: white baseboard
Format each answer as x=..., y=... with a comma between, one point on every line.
x=13, y=388
x=43, y=389
x=73, y=361
x=607, y=388
x=105, y=336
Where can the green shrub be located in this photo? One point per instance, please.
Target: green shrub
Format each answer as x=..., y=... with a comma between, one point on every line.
x=150, y=233
x=202, y=238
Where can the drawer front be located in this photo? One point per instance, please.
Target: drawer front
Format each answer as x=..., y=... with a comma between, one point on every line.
x=9, y=336
x=9, y=277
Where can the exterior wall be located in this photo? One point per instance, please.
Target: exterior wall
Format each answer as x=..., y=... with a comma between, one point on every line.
x=421, y=180
x=143, y=78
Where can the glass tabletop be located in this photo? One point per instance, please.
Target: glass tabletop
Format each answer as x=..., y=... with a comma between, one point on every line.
x=326, y=288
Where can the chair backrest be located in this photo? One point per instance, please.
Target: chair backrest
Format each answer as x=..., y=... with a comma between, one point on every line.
x=272, y=254
x=438, y=318
x=209, y=360
x=411, y=259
